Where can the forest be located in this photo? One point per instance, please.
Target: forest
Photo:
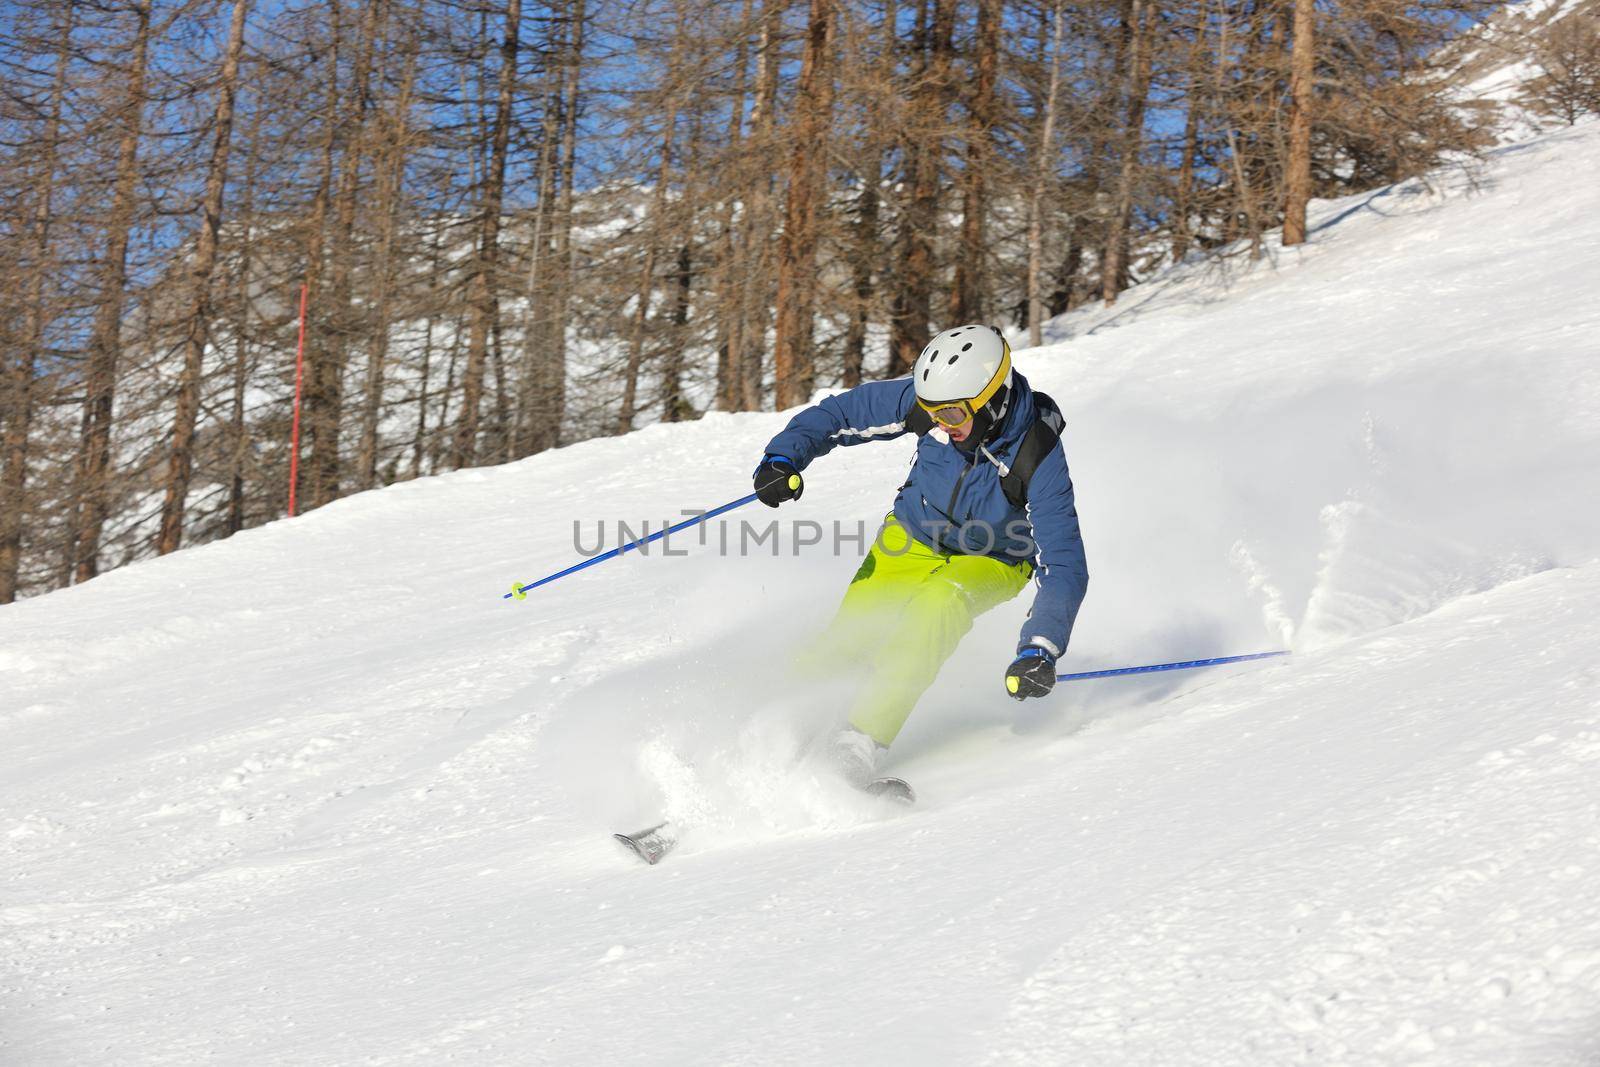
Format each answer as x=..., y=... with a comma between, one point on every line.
x=462, y=232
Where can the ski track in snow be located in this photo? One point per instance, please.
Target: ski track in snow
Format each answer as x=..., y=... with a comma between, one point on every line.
x=317, y=794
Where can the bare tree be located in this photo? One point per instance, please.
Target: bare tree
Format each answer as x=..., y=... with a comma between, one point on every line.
x=969, y=297
x=644, y=294
x=22, y=366
x=1244, y=191
x=392, y=157
x=553, y=381
x=1196, y=100
x=1139, y=19
x=105, y=342
x=1302, y=72
x=242, y=326
x=797, y=247
x=1568, y=84
x=1044, y=166
x=198, y=329
x=875, y=73
x=484, y=300
x=532, y=416
x=753, y=256
x=921, y=149
x=730, y=339
x=682, y=223
x=321, y=412
x=338, y=324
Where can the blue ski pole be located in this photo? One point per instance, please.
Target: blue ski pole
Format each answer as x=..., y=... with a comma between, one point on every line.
x=519, y=591
x=1153, y=667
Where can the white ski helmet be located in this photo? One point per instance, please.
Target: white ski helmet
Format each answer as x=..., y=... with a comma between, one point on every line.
x=960, y=371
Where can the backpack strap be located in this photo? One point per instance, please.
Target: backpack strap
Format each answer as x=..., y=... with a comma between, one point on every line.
x=1036, y=444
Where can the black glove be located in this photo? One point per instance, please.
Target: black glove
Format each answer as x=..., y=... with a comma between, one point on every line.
x=1031, y=674
x=778, y=480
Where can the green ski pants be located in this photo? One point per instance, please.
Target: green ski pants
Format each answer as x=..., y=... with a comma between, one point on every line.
x=905, y=611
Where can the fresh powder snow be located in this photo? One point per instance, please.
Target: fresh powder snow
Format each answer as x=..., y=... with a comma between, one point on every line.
x=319, y=794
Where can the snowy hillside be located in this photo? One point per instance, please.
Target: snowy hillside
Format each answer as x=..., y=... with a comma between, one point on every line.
x=1494, y=65
x=318, y=794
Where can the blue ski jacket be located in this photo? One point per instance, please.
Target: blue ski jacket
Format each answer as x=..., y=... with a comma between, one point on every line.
x=952, y=500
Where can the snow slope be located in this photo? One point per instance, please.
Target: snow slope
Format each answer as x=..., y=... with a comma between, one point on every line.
x=317, y=794
x=1492, y=65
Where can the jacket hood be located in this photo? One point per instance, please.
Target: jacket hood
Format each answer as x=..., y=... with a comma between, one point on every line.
x=1020, y=413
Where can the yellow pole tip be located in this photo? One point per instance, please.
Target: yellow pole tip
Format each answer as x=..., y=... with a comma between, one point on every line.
x=794, y=481
x=1011, y=685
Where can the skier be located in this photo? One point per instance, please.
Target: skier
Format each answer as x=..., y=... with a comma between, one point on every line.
x=987, y=505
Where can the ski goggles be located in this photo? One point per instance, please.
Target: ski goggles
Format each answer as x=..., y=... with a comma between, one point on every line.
x=950, y=414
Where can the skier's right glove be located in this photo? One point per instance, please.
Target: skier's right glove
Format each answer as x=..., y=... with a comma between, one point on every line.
x=778, y=480
x=1031, y=674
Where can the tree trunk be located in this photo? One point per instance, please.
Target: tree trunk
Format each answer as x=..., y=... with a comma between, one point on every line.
x=1114, y=259
x=730, y=320
x=502, y=395
x=554, y=379
x=484, y=301
x=794, y=364
x=969, y=297
x=321, y=438
x=1183, y=205
x=1063, y=297
x=105, y=340
x=391, y=183
x=1244, y=194
x=647, y=273
x=437, y=445
x=530, y=423
x=755, y=259
x=913, y=301
x=1044, y=166
x=864, y=255
x=419, y=441
x=340, y=326
x=238, y=435
x=684, y=212
x=675, y=406
x=23, y=365
x=198, y=330
x=1298, y=176
x=866, y=240
x=1194, y=102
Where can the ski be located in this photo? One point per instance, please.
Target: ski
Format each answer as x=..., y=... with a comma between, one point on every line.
x=890, y=788
x=651, y=843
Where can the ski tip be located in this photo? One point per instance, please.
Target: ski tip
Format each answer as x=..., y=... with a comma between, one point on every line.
x=650, y=844
x=896, y=789
x=628, y=842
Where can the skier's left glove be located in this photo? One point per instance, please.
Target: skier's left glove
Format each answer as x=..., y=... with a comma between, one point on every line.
x=1031, y=674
